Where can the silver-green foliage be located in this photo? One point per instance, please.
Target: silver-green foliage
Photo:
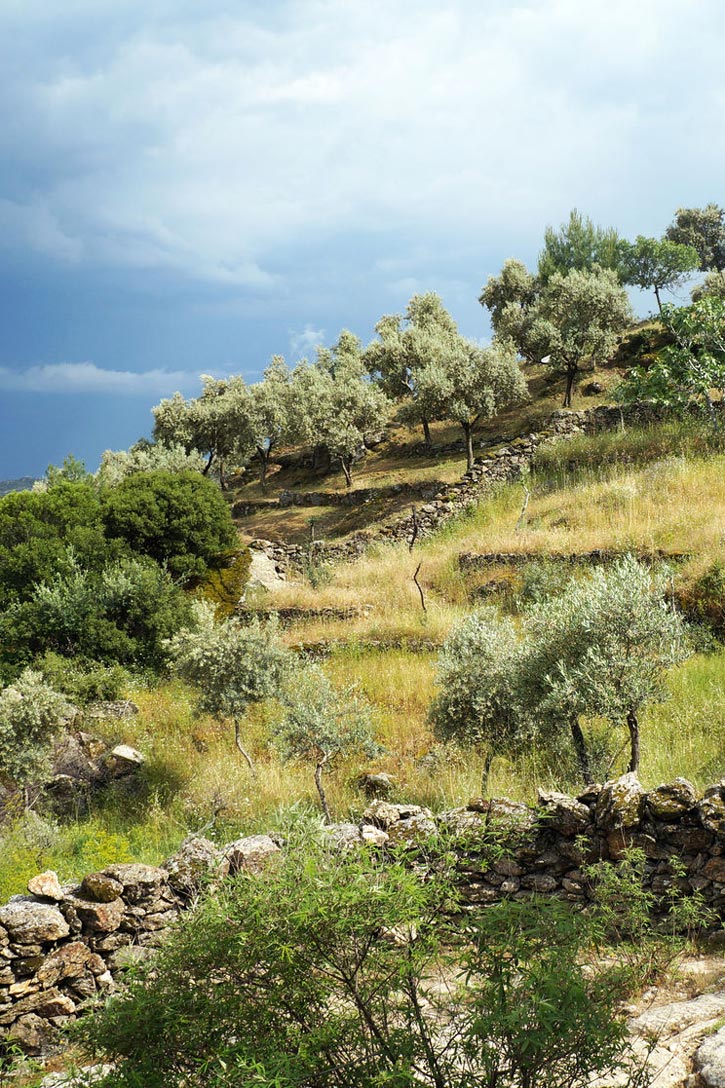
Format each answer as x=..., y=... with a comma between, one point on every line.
x=231, y=665
x=613, y=636
x=478, y=671
x=600, y=649
x=116, y=465
x=333, y=403
x=322, y=724
x=31, y=714
x=579, y=317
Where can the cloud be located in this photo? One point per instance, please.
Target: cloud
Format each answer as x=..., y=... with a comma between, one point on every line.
x=210, y=139
x=88, y=378
x=302, y=344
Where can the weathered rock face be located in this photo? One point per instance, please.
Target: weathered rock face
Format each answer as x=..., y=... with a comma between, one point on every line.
x=29, y=922
x=671, y=800
x=252, y=854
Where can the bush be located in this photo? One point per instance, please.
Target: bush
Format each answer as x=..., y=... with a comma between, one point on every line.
x=180, y=519
x=326, y=971
x=31, y=714
x=122, y=613
x=83, y=680
x=224, y=586
x=703, y=601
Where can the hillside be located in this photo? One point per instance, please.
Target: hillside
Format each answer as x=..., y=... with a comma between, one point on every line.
x=646, y=490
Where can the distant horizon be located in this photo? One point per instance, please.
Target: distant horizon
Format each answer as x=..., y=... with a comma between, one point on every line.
x=189, y=191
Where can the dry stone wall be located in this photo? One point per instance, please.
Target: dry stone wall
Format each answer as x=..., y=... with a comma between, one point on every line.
x=61, y=946
x=500, y=466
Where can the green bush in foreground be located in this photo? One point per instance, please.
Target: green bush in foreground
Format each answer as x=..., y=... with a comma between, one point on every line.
x=346, y=970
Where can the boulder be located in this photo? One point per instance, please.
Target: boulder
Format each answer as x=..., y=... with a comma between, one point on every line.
x=46, y=886
x=672, y=800
x=94, y=917
x=251, y=854
x=378, y=785
x=343, y=836
x=69, y=961
x=32, y=1034
x=563, y=814
x=110, y=709
x=620, y=804
x=712, y=810
x=45, y=1003
x=29, y=922
x=413, y=829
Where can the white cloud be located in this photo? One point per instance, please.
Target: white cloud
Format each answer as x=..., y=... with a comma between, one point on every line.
x=302, y=344
x=198, y=139
x=89, y=378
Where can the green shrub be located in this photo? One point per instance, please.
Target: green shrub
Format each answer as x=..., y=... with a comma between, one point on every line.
x=179, y=519
x=83, y=680
x=325, y=970
x=703, y=601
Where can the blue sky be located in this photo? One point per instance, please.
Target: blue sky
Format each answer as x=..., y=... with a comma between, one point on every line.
x=189, y=188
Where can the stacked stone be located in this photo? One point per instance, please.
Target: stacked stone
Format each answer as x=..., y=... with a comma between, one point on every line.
x=61, y=946
x=498, y=466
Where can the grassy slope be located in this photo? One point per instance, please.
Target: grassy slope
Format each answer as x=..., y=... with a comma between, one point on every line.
x=663, y=488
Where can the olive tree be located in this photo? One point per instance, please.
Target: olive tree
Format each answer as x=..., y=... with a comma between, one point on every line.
x=404, y=347
x=268, y=413
x=659, y=264
x=579, y=317
x=333, y=403
x=602, y=650
x=231, y=665
x=511, y=300
x=145, y=456
x=31, y=715
x=477, y=673
x=469, y=383
x=217, y=423
x=322, y=725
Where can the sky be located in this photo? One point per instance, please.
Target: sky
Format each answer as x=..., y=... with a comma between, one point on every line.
x=191, y=188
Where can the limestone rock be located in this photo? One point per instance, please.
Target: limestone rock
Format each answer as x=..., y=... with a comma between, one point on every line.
x=139, y=881
x=251, y=854
x=620, y=804
x=68, y=961
x=32, y=1034
x=672, y=800
x=343, y=836
x=413, y=829
x=192, y=866
x=45, y=1003
x=28, y=921
x=373, y=836
x=101, y=887
x=46, y=885
x=124, y=760
x=712, y=810
x=710, y=1060
x=563, y=814
x=95, y=917
x=715, y=870
x=378, y=785
x=383, y=814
